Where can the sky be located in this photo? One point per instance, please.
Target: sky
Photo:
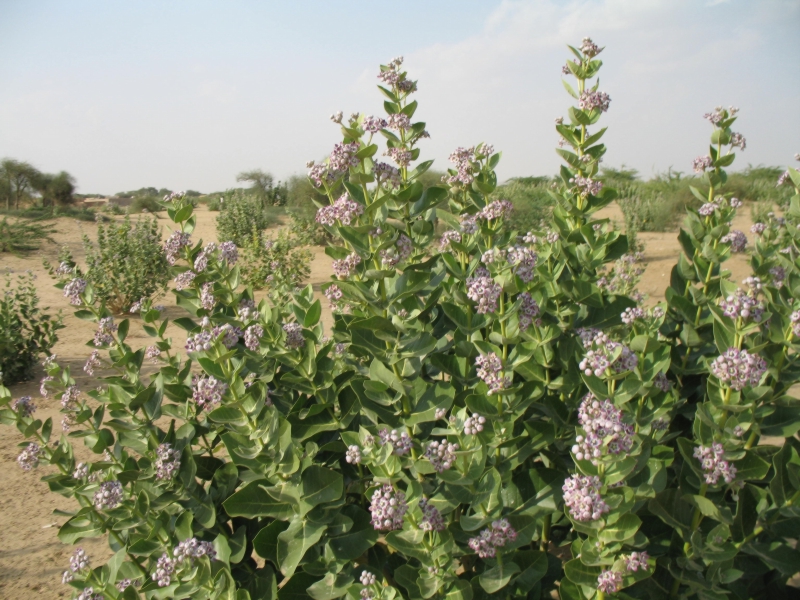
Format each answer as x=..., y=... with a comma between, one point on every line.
x=185, y=95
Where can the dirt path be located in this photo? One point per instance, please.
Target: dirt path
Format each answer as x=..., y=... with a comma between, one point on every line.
x=31, y=557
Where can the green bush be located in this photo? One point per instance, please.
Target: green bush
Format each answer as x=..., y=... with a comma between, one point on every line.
x=23, y=236
x=25, y=331
x=239, y=215
x=278, y=264
x=531, y=200
x=126, y=263
x=150, y=204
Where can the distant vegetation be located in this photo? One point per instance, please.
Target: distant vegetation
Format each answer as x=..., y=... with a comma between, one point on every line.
x=22, y=185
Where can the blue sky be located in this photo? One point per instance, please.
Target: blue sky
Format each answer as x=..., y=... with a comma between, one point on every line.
x=187, y=94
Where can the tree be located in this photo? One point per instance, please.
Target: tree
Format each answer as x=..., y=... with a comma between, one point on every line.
x=263, y=187
x=20, y=178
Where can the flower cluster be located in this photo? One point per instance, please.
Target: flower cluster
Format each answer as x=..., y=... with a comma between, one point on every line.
x=463, y=159
x=758, y=228
x=609, y=581
x=392, y=76
x=294, y=336
x=353, y=455
x=795, y=321
x=523, y=262
x=229, y=252
x=399, y=122
x=714, y=466
x=168, y=462
x=81, y=471
x=344, y=267
x=401, y=442
x=742, y=305
x=401, y=251
x=108, y=496
x=492, y=255
x=482, y=289
x=388, y=507
x=104, y=335
x=88, y=593
x=24, y=406
x=528, y=311
x=70, y=397
x=629, y=315
x=701, y=163
x=199, y=342
x=373, y=124
x=441, y=454
x=586, y=186
x=601, y=356
x=343, y=157
x=207, y=391
x=469, y=224
x=474, y=424
x=92, y=363
x=590, y=100
x=193, y=548
x=165, y=569
x=582, y=498
x=184, y=280
x=399, y=155
x=490, y=370
x=252, y=337
x=386, y=174
x=229, y=333
x=344, y=210
x=737, y=239
x=602, y=422
x=447, y=237
x=636, y=561
x=174, y=244
x=29, y=457
x=496, y=210
x=73, y=291
x=431, y=518
x=662, y=382
x=490, y=539
x=207, y=299
x=589, y=48
x=738, y=368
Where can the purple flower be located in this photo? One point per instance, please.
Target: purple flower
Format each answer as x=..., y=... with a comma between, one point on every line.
x=522, y=261
x=388, y=507
x=399, y=122
x=482, y=289
x=344, y=210
x=631, y=314
x=490, y=539
x=199, y=342
x=431, y=518
x=207, y=391
x=739, y=368
x=24, y=406
x=207, y=299
x=294, y=336
x=403, y=248
x=582, y=498
x=701, y=163
x=165, y=569
x=662, y=382
x=636, y=561
x=528, y=311
x=590, y=100
x=193, y=548
x=589, y=48
x=602, y=422
x=184, y=280
x=401, y=442
x=386, y=174
x=29, y=457
x=601, y=356
x=469, y=224
x=496, y=210
x=447, y=237
x=228, y=252
x=586, y=186
x=374, y=124
x=441, y=454
x=738, y=140
x=175, y=242
x=490, y=370
x=108, y=496
x=79, y=560
x=168, y=462
x=737, y=240
x=252, y=337
x=229, y=333
x=104, y=334
x=785, y=176
x=474, y=424
x=73, y=291
x=70, y=397
x=463, y=158
x=716, y=116
x=609, y=581
x=714, y=466
x=344, y=267
x=92, y=362
x=399, y=155
x=742, y=305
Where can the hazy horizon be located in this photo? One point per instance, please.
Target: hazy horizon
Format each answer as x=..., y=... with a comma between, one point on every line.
x=125, y=95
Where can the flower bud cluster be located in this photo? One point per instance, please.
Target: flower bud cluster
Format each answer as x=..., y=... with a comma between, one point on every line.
x=609, y=581
x=73, y=291
x=636, y=561
x=496, y=210
x=395, y=78
x=742, y=305
x=399, y=122
x=174, y=244
x=401, y=251
x=523, y=262
x=447, y=237
x=88, y=593
x=482, y=289
x=700, y=164
x=492, y=255
x=738, y=141
x=602, y=422
x=714, y=466
x=24, y=406
x=629, y=315
x=490, y=370
x=431, y=518
x=343, y=210
x=79, y=560
x=207, y=299
x=165, y=569
x=92, y=363
x=353, y=455
x=582, y=497
x=587, y=186
x=599, y=358
x=401, y=442
x=252, y=337
x=399, y=155
x=469, y=224
x=374, y=124
x=474, y=424
x=104, y=334
x=193, y=548
x=490, y=539
x=294, y=336
x=108, y=496
x=528, y=311
x=230, y=334
x=388, y=507
x=207, y=391
x=738, y=368
x=344, y=267
x=441, y=454
x=229, y=252
x=29, y=457
x=199, y=342
x=184, y=280
x=168, y=462
x=737, y=239
x=386, y=174
x=201, y=262
x=589, y=48
x=464, y=159
x=70, y=397
x=590, y=100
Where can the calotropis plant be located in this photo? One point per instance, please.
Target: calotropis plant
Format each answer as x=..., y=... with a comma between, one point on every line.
x=491, y=417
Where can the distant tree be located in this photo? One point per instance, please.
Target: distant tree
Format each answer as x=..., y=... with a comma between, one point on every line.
x=54, y=189
x=621, y=174
x=20, y=178
x=263, y=187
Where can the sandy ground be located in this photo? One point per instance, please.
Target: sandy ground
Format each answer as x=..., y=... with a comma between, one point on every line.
x=31, y=557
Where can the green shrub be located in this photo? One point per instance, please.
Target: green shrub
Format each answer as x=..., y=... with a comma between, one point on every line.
x=531, y=200
x=126, y=263
x=26, y=332
x=149, y=204
x=239, y=215
x=23, y=236
x=214, y=204
x=278, y=264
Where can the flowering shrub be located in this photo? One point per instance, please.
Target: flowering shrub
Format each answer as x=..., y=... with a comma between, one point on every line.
x=278, y=264
x=240, y=215
x=489, y=418
x=25, y=331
